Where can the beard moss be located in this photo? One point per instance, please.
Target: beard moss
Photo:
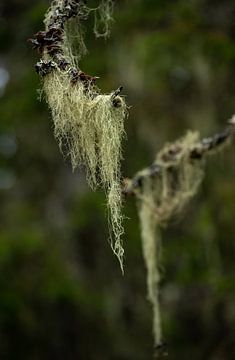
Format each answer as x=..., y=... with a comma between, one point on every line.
x=88, y=126
x=89, y=130
x=151, y=245
x=161, y=197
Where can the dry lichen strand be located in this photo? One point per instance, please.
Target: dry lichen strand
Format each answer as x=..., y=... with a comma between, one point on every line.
x=74, y=42
x=151, y=245
x=103, y=15
x=161, y=197
x=88, y=127
x=164, y=194
x=103, y=18
x=68, y=104
x=72, y=33
x=178, y=179
x=109, y=130
x=90, y=130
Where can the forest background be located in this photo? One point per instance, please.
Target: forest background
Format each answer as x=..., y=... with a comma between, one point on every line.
x=62, y=295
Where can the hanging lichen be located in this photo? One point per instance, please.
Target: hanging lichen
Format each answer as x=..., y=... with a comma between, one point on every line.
x=159, y=198
x=151, y=245
x=162, y=191
x=103, y=18
x=88, y=125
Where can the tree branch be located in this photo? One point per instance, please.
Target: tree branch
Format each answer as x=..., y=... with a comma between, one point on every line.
x=199, y=151
x=50, y=44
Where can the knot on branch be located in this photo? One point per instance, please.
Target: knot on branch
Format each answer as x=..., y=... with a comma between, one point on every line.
x=116, y=99
x=77, y=75
x=44, y=67
x=74, y=8
x=70, y=9
x=47, y=40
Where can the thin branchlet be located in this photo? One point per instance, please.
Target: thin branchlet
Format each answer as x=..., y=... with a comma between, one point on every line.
x=198, y=151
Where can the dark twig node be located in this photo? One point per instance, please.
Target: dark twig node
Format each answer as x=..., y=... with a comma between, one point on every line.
x=50, y=42
x=77, y=75
x=115, y=98
x=117, y=92
x=44, y=67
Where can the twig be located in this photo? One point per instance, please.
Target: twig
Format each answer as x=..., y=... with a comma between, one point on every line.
x=115, y=98
x=49, y=43
x=201, y=150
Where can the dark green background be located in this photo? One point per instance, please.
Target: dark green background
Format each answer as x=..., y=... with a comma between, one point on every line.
x=62, y=295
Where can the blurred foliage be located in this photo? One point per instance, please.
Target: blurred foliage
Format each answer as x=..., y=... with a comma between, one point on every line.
x=62, y=293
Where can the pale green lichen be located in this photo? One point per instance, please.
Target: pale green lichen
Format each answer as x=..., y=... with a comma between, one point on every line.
x=161, y=197
x=88, y=125
x=151, y=245
x=90, y=130
x=103, y=18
